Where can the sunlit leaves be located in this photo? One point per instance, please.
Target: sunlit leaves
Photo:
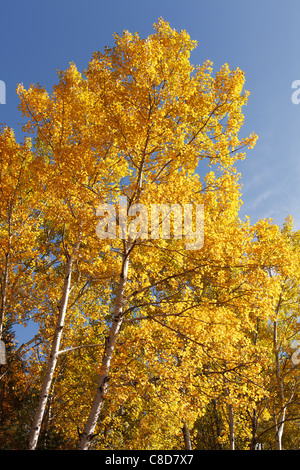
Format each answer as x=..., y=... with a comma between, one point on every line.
x=140, y=123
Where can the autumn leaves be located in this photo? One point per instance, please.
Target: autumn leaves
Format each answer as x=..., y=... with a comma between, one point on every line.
x=152, y=328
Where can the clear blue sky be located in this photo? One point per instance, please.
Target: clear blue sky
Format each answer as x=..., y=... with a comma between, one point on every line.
x=261, y=37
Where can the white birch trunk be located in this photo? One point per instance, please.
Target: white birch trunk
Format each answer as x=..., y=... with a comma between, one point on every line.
x=279, y=429
x=110, y=343
x=231, y=427
x=40, y=410
x=115, y=328
x=254, y=429
x=279, y=424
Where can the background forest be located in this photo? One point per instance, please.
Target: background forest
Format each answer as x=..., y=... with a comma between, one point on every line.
x=141, y=343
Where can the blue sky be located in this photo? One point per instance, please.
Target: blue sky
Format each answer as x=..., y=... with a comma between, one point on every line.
x=258, y=36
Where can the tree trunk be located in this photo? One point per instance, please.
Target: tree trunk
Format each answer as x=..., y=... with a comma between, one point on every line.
x=279, y=423
x=40, y=410
x=219, y=445
x=254, y=430
x=187, y=437
x=231, y=427
x=5, y=279
x=109, y=347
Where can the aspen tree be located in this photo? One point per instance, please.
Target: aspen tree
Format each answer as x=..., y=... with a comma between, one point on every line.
x=136, y=126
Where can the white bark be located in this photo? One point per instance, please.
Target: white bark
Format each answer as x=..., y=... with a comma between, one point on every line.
x=231, y=427
x=110, y=343
x=279, y=422
x=279, y=429
x=40, y=410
